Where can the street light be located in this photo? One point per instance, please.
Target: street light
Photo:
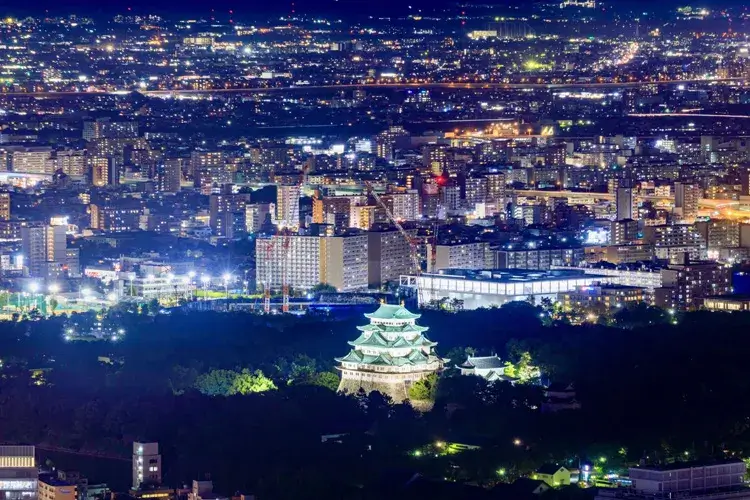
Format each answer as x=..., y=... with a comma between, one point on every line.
x=226, y=277
x=54, y=288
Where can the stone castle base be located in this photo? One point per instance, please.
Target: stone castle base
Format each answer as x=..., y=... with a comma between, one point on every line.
x=398, y=391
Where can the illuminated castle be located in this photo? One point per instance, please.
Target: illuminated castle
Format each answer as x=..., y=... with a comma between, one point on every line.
x=389, y=355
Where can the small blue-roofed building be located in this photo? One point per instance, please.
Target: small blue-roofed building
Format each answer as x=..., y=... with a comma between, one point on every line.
x=491, y=368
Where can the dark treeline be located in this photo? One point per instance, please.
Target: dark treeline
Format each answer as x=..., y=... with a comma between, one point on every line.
x=648, y=387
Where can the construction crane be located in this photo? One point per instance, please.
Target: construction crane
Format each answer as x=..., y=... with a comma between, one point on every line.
x=413, y=242
x=267, y=283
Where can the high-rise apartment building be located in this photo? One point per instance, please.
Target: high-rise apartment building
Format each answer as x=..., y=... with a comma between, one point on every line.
x=169, y=175
x=203, y=159
x=496, y=194
x=33, y=160
x=146, y=465
x=624, y=203
x=115, y=218
x=334, y=210
x=362, y=216
x=475, y=255
x=287, y=205
x=222, y=205
x=4, y=206
x=44, y=249
x=340, y=261
x=71, y=162
x=256, y=215
x=104, y=128
x=686, y=197
x=104, y=171
x=389, y=256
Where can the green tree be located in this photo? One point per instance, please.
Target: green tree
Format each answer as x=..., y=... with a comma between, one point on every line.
x=246, y=382
x=329, y=380
x=53, y=305
x=217, y=383
x=424, y=389
x=153, y=306
x=323, y=288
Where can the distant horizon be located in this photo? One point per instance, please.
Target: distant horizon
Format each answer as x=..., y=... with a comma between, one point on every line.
x=347, y=8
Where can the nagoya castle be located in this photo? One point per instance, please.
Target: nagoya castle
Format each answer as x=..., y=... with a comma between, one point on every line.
x=389, y=355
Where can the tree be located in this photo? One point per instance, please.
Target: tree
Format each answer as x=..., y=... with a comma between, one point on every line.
x=323, y=288
x=217, y=383
x=329, y=380
x=53, y=305
x=153, y=306
x=424, y=389
x=246, y=382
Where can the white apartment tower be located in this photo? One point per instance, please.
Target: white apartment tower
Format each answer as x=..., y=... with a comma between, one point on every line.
x=146, y=464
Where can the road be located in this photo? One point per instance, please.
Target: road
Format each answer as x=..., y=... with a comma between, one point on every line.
x=395, y=86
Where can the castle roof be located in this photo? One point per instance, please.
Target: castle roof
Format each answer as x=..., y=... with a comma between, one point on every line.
x=392, y=311
x=415, y=357
x=483, y=363
x=405, y=328
x=377, y=340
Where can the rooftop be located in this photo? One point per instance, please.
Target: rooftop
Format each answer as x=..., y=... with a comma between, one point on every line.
x=511, y=275
x=689, y=465
x=483, y=362
x=392, y=311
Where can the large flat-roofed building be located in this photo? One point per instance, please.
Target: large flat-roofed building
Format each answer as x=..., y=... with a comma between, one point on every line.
x=18, y=473
x=495, y=287
x=607, y=295
x=688, y=477
x=648, y=279
x=727, y=303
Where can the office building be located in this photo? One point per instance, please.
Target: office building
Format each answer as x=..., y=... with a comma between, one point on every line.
x=52, y=488
x=389, y=256
x=146, y=465
x=18, y=473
